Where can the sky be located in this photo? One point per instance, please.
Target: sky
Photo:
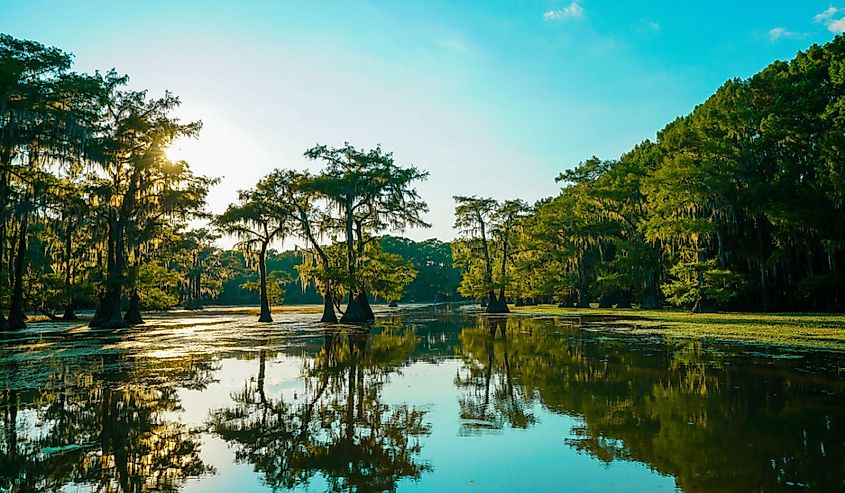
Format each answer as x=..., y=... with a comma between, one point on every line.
x=493, y=98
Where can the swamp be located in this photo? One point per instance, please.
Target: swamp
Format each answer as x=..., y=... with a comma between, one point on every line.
x=360, y=247
x=431, y=398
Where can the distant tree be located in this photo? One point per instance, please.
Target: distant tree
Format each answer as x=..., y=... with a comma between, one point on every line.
x=437, y=279
x=312, y=223
x=472, y=220
x=369, y=194
x=257, y=220
x=486, y=250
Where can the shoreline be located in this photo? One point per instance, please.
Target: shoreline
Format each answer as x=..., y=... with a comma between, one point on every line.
x=811, y=331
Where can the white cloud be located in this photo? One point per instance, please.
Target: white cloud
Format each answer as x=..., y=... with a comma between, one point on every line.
x=829, y=18
x=573, y=10
x=826, y=15
x=837, y=25
x=655, y=26
x=777, y=33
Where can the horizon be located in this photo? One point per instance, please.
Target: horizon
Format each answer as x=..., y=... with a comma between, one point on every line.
x=492, y=100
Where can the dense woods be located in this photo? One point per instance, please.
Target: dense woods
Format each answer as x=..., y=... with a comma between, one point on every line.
x=91, y=205
x=738, y=205
x=94, y=213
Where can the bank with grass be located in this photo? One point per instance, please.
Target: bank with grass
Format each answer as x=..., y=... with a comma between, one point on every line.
x=792, y=330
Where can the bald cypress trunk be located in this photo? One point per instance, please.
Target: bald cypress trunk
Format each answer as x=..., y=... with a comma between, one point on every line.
x=583, y=285
x=365, y=306
x=357, y=310
x=5, y=161
x=108, y=312
x=133, y=312
x=702, y=305
x=69, y=314
x=17, y=318
x=262, y=275
x=328, y=308
x=761, y=266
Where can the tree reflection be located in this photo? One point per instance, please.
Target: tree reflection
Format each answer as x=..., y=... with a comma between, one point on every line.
x=105, y=434
x=682, y=410
x=492, y=397
x=338, y=427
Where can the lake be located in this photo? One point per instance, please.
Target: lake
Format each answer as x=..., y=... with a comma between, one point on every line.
x=432, y=399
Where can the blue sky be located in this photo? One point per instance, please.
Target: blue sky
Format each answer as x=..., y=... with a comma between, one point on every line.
x=493, y=98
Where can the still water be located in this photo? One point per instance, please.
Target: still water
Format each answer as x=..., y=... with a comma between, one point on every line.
x=434, y=399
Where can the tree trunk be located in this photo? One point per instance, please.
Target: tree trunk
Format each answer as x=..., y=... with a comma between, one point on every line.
x=5, y=161
x=497, y=305
x=358, y=310
x=761, y=265
x=108, y=313
x=17, y=318
x=351, y=260
x=328, y=307
x=69, y=314
x=133, y=312
x=70, y=311
x=650, y=298
x=99, y=318
x=583, y=300
x=198, y=287
x=702, y=305
x=4, y=324
x=624, y=300
x=262, y=275
x=365, y=304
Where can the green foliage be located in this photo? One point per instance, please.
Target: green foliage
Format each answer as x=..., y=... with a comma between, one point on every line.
x=385, y=274
x=276, y=281
x=436, y=278
x=739, y=204
x=693, y=282
x=474, y=283
x=157, y=286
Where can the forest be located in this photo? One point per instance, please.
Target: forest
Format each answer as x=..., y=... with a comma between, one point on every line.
x=736, y=206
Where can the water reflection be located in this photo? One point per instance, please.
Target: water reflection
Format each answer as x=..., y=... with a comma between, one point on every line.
x=105, y=414
x=338, y=426
x=108, y=431
x=716, y=421
x=492, y=393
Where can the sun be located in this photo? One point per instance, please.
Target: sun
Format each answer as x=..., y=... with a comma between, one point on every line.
x=175, y=151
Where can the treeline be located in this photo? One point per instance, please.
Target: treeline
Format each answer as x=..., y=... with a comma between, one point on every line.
x=94, y=214
x=738, y=205
x=435, y=281
x=92, y=210
x=340, y=213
